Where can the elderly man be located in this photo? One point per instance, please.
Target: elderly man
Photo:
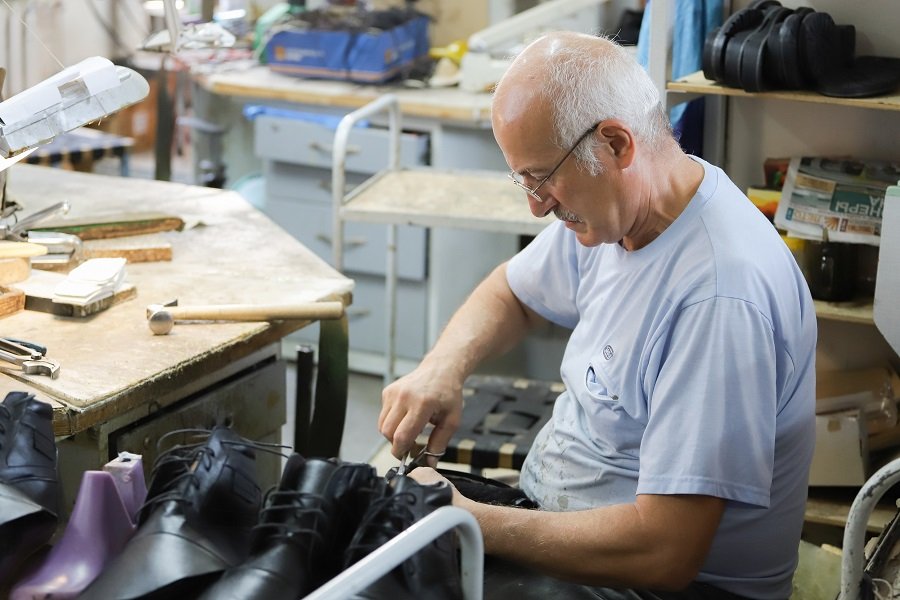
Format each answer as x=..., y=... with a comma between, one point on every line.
x=677, y=459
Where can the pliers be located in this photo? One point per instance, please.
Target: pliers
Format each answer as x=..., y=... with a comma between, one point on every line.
x=29, y=357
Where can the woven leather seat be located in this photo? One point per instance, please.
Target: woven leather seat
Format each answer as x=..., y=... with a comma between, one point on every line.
x=501, y=417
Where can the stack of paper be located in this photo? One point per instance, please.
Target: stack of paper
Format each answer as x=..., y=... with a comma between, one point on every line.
x=93, y=280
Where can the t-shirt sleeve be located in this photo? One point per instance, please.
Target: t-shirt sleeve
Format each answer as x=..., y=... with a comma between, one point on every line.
x=544, y=275
x=712, y=407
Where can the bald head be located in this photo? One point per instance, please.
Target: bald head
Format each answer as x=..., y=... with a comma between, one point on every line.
x=571, y=81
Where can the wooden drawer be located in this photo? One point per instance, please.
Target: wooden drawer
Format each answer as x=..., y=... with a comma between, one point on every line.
x=365, y=244
x=312, y=184
x=308, y=143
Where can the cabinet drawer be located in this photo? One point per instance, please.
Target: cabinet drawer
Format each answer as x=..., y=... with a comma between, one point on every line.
x=253, y=404
x=365, y=244
x=366, y=319
x=307, y=143
x=312, y=184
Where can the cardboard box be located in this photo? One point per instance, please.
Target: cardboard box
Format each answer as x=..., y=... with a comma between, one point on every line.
x=841, y=457
x=848, y=407
x=363, y=57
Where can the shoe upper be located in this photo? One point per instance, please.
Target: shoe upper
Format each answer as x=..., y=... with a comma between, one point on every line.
x=431, y=572
x=202, y=503
x=28, y=453
x=307, y=521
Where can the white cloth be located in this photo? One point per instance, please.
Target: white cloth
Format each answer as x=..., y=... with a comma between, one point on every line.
x=690, y=370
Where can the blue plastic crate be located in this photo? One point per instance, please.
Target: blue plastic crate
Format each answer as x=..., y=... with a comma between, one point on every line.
x=361, y=57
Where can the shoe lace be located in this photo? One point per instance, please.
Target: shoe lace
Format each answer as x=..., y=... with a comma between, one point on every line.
x=386, y=516
x=302, y=504
x=185, y=460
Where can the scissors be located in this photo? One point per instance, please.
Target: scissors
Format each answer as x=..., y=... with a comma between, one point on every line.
x=407, y=465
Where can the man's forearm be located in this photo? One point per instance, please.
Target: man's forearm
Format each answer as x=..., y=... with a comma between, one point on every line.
x=622, y=545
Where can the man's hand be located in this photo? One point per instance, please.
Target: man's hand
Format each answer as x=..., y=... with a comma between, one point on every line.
x=424, y=396
x=428, y=476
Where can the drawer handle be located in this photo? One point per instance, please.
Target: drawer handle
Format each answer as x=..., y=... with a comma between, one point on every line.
x=348, y=242
x=328, y=149
x=357, y=313
x=325, y=184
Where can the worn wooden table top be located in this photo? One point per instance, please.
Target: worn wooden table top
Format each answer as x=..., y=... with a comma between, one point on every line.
x=229, y=253
x=444, y=104
x=480, y=200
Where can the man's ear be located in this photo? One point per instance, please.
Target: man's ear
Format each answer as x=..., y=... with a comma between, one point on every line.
x=620, y=140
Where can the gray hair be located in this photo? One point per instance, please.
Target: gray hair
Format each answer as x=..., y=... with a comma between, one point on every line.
x=584, y=88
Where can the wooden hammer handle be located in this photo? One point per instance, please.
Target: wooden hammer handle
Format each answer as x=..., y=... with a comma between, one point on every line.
x=257, y=312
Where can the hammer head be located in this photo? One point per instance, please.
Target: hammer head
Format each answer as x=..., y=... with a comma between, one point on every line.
x=159, y=319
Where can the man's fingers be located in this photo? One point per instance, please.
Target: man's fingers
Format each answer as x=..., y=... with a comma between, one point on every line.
x=439, y=440
x=407, y=431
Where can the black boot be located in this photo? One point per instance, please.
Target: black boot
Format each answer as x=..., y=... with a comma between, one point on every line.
x=433, y=572
x=197, y=523
x=29, y=484
x=307, y=522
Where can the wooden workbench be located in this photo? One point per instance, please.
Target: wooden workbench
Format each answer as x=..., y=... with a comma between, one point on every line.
x=444, y=104
x=114, y=372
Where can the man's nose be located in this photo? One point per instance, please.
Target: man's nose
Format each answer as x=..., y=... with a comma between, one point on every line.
x=541, y=209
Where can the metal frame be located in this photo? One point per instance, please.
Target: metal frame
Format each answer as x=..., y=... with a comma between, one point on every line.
x=380, y=562
x=390, y=104
x=854, y=555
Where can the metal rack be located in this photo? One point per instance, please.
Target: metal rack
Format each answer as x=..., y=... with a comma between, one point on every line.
x=380, y=562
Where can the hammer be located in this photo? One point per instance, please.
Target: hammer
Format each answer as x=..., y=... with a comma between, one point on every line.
x=161, y=318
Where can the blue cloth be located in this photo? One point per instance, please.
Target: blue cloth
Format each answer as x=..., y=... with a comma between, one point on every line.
x=690, y=370
x=251, y=111
x=694, y=20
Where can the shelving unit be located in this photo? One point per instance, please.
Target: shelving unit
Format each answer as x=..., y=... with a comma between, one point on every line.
x=696, y=83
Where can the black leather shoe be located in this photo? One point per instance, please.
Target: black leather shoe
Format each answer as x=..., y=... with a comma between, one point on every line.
x=28, y=449
x=307, y=522
x=29, y=484
x=433, y=572
x=205, y=501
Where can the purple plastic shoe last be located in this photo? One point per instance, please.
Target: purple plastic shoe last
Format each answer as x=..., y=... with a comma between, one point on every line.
x=128, y=473
x=97, y=530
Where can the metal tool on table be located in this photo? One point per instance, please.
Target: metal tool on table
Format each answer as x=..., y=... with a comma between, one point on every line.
x=29, y=357
x=161, y=317
x=61, y=247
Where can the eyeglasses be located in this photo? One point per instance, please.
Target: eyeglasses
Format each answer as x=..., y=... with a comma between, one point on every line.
x=519, y=179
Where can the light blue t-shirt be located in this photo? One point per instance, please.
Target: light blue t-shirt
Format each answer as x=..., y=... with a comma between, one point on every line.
x=690, y=370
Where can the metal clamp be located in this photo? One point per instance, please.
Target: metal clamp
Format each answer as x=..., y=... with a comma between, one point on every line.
x=28, y=357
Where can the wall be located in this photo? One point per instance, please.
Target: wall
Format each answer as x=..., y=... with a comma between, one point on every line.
x=37, y=35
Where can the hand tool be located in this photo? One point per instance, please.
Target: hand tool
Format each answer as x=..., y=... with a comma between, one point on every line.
x=31, y=360
x=419, y=460
x=161, y=317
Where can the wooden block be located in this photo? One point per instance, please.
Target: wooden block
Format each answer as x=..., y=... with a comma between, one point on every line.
x=134, y=249
x=10, y=249
x=12, y=301
x=39, y=290
x=114, y=226
x=13, y=270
